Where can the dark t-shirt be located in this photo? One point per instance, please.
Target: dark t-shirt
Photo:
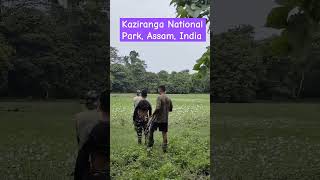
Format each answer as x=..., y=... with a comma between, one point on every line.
x=99, y=137
x=96, y=148
x=142, y=110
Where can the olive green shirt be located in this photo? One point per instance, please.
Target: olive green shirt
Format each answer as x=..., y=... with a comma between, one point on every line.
x=164, y=106
x=85, y=122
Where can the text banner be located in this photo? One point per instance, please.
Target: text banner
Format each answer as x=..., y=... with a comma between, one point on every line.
x=162, y=29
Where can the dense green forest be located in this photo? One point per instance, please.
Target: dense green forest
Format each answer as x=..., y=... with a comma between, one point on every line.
x=282, y=67
x=128, y=73
x=243, y=69
x=246, y=69
x=62, y=53
x=51, y=51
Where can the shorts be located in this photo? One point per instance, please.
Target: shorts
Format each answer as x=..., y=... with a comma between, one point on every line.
x=161, y=126
x=98, y=176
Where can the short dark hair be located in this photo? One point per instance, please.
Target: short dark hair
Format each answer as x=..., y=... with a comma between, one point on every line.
x=92, y=99
x=144, y=93
x=104, y=101
x=162, y=88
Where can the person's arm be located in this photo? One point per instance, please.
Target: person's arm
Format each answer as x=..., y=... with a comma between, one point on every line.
x=170, y=106
x=77, y=129
x=150, y=109
x=135, y=113
x=134, y=102
x=158, y=106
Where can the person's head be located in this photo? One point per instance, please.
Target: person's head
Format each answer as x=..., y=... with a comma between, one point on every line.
x=92, y=98
x=144, y=93
x=104, y=104
x=104, y=101
x=162, y=89
x=138, y=93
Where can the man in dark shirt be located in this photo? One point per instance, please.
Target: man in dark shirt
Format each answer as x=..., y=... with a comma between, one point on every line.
x=141, y=116
x=93, y=156
x=161, y=116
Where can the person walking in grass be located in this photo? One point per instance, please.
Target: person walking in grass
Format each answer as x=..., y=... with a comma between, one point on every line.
x=141, y=116
x=136, y=99
x=87, y=119
x=93, y=134
x=160, y=118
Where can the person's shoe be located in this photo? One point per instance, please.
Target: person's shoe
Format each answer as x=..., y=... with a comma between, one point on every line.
x=164, y=148
x=139, y=141
x=145, y=141
x=149, y=149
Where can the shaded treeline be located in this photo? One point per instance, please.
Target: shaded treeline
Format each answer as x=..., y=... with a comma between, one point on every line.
x=54, y=52
x=245, y=69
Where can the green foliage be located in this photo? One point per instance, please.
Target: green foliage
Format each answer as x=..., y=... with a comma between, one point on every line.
x=203, y=64
x=129, y=73
x=299, y=20
x=234, y=67
x=245, y=69
x=195, y=9
x=5, y=53
x=280, y=45
x=58, y=53
x=278, y=17
x=200, y=83
x=192, y=9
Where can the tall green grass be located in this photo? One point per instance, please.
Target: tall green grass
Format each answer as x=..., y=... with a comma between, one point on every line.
x=266, y=141
x=188, y=135
x=38, y=140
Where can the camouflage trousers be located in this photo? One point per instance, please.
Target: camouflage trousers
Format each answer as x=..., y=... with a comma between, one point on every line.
x=141, y=128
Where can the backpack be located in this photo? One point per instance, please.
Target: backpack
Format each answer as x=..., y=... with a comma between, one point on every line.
x=141, y=111
x=142, y=114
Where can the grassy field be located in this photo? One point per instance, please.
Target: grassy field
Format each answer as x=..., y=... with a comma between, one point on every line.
x=266, y=141
x=38, y=141
x=250, y=141
x=188, y=135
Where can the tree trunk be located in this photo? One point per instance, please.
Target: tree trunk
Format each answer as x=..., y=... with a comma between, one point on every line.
x=47, y=94
x=301, y=84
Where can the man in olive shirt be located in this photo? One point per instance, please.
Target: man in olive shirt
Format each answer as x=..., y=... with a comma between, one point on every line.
x=161, y=113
